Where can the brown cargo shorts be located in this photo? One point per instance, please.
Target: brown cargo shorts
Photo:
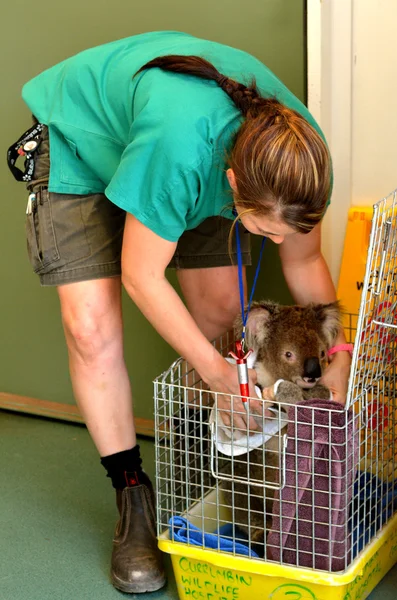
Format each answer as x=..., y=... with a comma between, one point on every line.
x=74, y=238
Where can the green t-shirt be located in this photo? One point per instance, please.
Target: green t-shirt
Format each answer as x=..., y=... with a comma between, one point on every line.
x=156, y=143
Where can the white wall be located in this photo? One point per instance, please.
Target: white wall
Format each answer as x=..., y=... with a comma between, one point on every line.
x=374, y=108
x=329, y=99
x=352, y=73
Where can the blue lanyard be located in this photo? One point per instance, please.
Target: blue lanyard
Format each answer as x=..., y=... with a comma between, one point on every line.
x=244, y=313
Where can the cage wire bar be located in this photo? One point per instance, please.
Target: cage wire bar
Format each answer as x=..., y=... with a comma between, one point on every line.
x=277, y=501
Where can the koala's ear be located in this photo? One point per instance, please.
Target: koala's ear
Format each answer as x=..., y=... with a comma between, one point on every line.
x=330, y=319
x=259, y=318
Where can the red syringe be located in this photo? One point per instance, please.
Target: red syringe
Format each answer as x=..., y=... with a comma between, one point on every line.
x=242, y=371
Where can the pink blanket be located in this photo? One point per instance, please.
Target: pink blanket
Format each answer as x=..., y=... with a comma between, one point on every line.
x=310, y=515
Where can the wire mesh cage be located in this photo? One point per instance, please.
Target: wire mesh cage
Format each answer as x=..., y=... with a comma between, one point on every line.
x=318, y=484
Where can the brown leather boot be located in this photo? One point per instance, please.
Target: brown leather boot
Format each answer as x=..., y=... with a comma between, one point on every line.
x=137, y=564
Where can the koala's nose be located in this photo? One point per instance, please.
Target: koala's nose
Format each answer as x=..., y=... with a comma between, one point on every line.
x=311, y=368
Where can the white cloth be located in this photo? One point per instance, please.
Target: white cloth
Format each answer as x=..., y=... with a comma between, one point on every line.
x=238, y=442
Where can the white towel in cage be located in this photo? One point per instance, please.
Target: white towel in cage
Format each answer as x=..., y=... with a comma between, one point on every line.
x=236, y=442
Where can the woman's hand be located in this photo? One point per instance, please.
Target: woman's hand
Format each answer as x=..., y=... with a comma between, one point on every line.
x=336, y=376
x=225, y=381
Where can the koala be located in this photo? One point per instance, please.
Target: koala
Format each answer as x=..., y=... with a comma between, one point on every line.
x=290, y=343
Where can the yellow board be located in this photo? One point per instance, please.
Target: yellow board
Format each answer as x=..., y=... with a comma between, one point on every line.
x=351, y=278
x=379, y=449
x=210, y=575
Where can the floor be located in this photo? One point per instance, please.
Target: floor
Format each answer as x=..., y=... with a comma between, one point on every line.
x=57, y=515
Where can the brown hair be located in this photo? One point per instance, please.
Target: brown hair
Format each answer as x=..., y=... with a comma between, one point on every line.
x=281, y=164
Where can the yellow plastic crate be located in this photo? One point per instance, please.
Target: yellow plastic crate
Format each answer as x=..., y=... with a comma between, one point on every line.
x=203, y=574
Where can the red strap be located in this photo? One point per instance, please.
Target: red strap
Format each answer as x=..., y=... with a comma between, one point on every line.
x=131, y=478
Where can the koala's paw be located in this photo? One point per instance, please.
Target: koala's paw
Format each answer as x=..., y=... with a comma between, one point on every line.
x=317, y=392
x=289, y=393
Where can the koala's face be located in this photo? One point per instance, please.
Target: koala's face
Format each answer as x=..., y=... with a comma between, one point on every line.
x=291, y=342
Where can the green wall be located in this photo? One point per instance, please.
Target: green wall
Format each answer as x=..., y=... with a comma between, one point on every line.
x=36, y=35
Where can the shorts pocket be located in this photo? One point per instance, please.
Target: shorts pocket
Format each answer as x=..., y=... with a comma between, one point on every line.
x=41, y=241
x=73, y=169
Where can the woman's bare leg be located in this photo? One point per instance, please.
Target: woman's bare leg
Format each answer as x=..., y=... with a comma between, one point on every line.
x=212, y=297
x=92, y=321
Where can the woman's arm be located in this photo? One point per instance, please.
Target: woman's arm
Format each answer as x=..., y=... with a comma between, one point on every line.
x=309, y=280
x=145, y=257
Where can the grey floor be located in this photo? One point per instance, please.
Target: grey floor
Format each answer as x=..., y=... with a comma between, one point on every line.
x=57, y=515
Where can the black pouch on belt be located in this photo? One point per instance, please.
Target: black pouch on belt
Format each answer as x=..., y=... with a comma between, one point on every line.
x=25, y=147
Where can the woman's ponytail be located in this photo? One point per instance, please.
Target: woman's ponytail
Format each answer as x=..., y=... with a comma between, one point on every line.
x=281, y=163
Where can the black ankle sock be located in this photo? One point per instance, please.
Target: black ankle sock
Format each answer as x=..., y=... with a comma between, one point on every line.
x=124, y=468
